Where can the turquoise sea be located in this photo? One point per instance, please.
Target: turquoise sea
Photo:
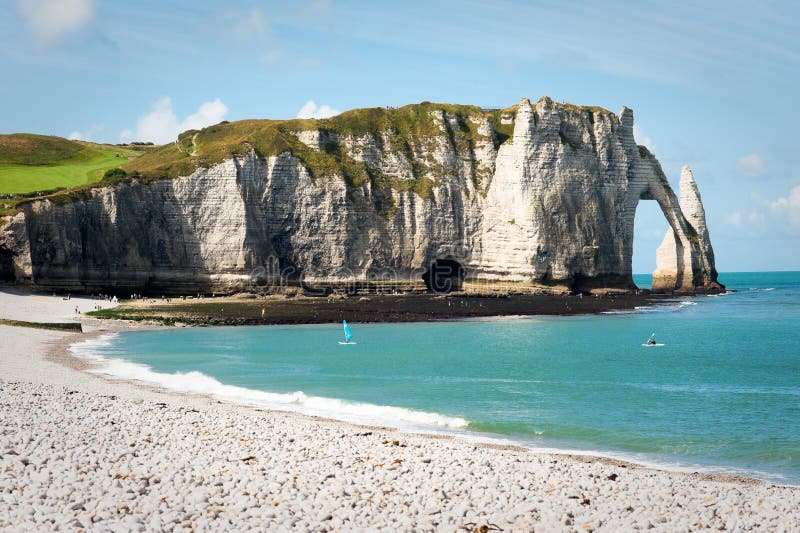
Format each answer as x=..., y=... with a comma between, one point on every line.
x=723, y=394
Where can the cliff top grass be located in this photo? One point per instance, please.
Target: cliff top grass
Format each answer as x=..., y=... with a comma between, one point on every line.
x=32, y=163
x=410, y=126
x=411, y=129
x=572, y=108
x=38, y=150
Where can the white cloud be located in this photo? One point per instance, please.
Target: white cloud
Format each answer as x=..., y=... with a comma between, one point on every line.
x=652, y=234
x=311, y=110
x=768, y=216
x=238, y=27
x=276, y=55
x=643, y=139
x=752, y=165
x=734, y=219
x=250, y=31
x=271, y=57
x=746, y=223
x=50, y=19
x=209, y=113
x=161, y=125
x=255, y=22
x=787, y=208
x=317, y=9
x=86, y=135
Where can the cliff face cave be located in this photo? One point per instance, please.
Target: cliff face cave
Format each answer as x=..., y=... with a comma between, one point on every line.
x=444, y=275
x=6, y=265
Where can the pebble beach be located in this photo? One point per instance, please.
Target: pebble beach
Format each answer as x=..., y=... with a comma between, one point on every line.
x=82, y=452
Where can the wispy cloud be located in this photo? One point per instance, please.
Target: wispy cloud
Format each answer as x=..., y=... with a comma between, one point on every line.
x=752, y=166
x=161, y=125
x=667, y=39
x=317, y=7
x=780, y=215
x=271, y=57
x=311, y=110
x=49, y=20
x=787, y=208
x=243, y=26
x=87, y=134
x=746, y=222
x=643, y=139
x=253, y=32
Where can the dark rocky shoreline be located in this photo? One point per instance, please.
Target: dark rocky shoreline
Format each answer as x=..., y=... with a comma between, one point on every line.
x=244, y=310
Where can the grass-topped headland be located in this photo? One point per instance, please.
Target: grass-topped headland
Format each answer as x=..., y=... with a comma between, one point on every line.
x=66, y=171
x=39, y=165
x=39, y=150
x=409, y=130
x=32, y=163
x=35, y=163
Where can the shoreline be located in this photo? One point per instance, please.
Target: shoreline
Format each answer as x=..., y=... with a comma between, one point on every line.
x=377, y=477
x=247, y=309
x=63, y=355
x=281, y=310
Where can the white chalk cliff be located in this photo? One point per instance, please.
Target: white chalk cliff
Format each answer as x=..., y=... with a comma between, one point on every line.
x=552, y=204
x=676, y=263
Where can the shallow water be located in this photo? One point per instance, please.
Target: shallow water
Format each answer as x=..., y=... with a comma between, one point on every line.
x=723, y=394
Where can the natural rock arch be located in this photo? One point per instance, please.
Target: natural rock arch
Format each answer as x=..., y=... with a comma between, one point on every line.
x=685, y=260
x=678, y=234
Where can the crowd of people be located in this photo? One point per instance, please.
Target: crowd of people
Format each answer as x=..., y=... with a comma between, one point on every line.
x=95, y=307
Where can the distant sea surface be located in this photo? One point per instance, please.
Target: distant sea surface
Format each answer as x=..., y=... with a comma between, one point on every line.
x=722, y=395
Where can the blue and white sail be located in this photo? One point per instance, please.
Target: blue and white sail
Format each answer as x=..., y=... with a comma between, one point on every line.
x=348, y=335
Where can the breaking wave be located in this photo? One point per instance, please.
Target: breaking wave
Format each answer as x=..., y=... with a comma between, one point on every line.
x=655, y=308
x=96, y=351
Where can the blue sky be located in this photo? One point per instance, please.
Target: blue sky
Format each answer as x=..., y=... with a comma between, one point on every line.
x=713, y=84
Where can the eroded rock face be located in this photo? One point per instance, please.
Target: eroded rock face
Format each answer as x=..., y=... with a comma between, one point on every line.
x=677, y=270
x=552, y=205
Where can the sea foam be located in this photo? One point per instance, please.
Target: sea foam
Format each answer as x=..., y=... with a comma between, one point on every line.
x=94, y=352
x=668, y=307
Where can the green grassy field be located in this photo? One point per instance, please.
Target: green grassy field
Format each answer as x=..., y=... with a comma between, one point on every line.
x=30, y=163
